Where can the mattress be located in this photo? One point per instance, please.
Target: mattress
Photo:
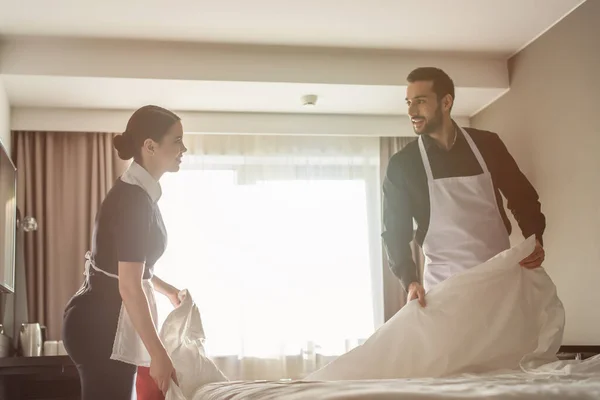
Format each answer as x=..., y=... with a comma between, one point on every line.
x=513, y=386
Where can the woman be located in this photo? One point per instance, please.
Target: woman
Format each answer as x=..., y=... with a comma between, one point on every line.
x=109, y=325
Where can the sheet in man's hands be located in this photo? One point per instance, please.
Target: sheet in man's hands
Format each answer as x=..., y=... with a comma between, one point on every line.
x=495, y=316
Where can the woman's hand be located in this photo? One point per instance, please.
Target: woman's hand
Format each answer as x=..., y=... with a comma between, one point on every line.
x=173, y=297
x=162, y=371
x=171, y=292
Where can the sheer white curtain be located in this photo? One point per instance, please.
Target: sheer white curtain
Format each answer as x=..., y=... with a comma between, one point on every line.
x=277, y=238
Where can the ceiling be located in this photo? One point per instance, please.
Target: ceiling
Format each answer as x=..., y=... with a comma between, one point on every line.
x=499, y=27
x=215, y=56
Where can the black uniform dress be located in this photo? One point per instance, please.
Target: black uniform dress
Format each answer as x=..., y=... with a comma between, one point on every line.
x=128, y=228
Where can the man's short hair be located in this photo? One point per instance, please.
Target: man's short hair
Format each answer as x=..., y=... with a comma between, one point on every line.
x=442, y=84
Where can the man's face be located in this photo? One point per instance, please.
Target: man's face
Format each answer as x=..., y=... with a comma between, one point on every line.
x=424, y=108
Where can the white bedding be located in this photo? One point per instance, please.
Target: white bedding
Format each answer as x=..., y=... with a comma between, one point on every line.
x=509, y=386
x=494, y=317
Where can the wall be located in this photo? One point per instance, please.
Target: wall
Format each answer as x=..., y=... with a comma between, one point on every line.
x=548, y=120
x=148, y=59
x=4, y=118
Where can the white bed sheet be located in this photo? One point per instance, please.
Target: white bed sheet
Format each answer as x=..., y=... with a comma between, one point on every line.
x=499, y=386
x=495, y=316
x=516, y=325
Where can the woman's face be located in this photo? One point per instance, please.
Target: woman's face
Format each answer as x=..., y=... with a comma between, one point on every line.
x=167, y=154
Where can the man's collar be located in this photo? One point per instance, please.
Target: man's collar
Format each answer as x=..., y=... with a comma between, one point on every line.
x=428, y=141
x=137, y=175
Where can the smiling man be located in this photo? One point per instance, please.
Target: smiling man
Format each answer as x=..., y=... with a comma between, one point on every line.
x=450, y=181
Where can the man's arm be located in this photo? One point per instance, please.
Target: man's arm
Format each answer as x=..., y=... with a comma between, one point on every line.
x=522, y=198
x=398, y=226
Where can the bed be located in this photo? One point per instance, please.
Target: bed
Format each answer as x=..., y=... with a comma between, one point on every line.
x=491, y=332
x=498, y=386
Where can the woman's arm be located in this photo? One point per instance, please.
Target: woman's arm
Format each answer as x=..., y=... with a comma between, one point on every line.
x=136, y=304
x=171, y=292
x=133, y=236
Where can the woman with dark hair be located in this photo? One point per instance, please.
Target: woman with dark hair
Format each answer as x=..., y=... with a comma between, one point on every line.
x=109, y=326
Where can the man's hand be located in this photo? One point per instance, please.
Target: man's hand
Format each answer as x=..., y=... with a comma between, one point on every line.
x=416, y=291
x=536, y=258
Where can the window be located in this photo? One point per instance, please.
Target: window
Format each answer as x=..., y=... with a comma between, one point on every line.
x=276, y=262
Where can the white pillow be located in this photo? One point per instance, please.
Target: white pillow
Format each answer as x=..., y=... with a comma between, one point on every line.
x=183, y=336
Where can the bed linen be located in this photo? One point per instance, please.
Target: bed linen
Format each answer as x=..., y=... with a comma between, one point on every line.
x=497, y=316
x=499, y=386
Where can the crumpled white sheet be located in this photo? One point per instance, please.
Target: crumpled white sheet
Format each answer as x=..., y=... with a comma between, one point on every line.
x=496, y=316
x=183, y=336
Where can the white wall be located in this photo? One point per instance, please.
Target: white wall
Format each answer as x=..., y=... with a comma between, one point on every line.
x=142, y=59
x=548, y=121
x=4, y=118
x=82, y=120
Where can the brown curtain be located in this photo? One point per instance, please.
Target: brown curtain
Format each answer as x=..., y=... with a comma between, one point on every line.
x=394, y=297
x=62, y=179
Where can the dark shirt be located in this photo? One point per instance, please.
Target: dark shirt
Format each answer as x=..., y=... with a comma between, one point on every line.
x=406, y=193
x=129, y=228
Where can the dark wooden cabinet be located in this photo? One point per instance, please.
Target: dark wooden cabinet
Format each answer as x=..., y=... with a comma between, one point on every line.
x=38, y=378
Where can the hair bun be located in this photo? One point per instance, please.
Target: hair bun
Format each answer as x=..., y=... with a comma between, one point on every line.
x=123, y=143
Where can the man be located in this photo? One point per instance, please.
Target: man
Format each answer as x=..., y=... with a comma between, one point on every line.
x=450, y=181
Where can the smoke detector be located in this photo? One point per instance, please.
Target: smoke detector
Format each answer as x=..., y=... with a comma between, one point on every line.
x=309, y=100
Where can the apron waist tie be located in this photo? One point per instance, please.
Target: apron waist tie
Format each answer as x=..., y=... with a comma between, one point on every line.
x=90, y=264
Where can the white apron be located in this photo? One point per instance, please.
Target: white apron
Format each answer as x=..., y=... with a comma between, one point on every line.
x=128, y=346
x=465, y=227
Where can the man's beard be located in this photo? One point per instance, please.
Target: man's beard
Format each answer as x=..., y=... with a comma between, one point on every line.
x=432, y=125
